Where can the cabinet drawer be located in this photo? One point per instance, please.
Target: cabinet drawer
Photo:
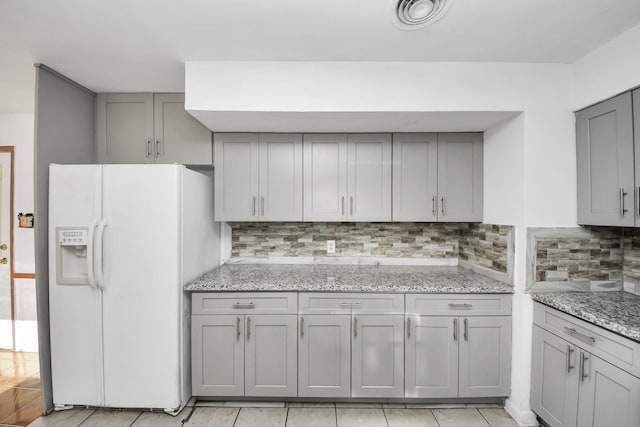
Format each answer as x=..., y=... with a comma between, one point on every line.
x=459, y=304
x=244, y=302
x=346, y=303
x=617, y=350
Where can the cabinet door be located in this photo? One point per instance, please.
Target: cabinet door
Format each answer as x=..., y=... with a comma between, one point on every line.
x=271, y=367
x=236, y=176
x=636, y=150
x=179, y=137
x=325, y=177
x=324, y=356
x=608, y=395
x=281, y=177
x=604, y=143
x=217, y=355
x=460, y=177
x=415, y=177
x=431, y=356
x=554, y=379
x=369, y=177
x=125, y=128
x=485, y=356
x=377, y=365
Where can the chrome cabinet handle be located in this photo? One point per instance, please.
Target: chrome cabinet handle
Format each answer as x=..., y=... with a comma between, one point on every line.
x=583, y=374
x=622, y=209
x=244, y=305
x=351, y=205
x=157, y=154
x=262, y=205
x=342, y=202
x=569, y=351
x=434, y=209
x=408, y=327
x=465, y=305
x=253, y=206
x=301, y=327
x=579, y=335
x=355, y=327
x=238, y=328
x=442, y=200
x=349, y=304
x=148, y=147
x=248, y=327
x=466, y=329
x=455, y=329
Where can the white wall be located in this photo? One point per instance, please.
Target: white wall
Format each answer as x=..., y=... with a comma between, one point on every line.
x=17, y=130
x=608, y=70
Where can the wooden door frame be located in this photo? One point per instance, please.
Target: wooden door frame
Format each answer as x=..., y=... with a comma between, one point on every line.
x=11, y=150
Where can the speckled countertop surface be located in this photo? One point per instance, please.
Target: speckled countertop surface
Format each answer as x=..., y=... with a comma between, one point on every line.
x=617, y=312
x=345, y=278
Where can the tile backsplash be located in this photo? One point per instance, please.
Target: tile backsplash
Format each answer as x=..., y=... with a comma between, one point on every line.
x=576, y=258
x=482, y=245
x=631, y=263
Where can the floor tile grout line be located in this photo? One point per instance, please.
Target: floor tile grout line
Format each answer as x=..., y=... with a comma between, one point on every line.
x=136, y=419
x=236, y=418
x=286, y=417
x=384, y=413
x=434, y=417
x=483, y=417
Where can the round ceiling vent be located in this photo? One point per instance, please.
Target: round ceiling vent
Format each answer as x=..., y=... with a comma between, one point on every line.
x=415, y=14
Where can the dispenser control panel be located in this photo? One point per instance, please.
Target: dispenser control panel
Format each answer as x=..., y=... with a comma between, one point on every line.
x=72, y=237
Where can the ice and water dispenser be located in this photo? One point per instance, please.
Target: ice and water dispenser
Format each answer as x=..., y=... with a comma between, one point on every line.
x=71, y=255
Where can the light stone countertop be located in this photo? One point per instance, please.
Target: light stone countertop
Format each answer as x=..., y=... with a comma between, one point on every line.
x=344, y=278
x=617, y=312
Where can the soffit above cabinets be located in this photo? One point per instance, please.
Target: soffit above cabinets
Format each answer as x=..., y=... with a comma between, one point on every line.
x=352, y=122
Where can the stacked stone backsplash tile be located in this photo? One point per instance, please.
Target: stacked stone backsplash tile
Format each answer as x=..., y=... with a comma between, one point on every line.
x=631, y=265
x=575, y=258
x=484, y=245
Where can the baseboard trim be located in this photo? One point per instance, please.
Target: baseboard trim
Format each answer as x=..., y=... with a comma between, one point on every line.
x=524, y=418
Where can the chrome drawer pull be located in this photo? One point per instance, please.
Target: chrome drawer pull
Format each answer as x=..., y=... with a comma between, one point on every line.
x=408, y=327
x=569, y=351
x=465, y=305
x=579, y=335
x=349, y=304
x=466, y=330
x=238, y=328
x=455, y=329
x=583, y=374
x=244, y=305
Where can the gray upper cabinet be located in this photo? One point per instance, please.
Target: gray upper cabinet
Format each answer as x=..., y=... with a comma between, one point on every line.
x=179, y=137
x=347, y=177
x=258, y=177
x=437, y=177
x=236, y=176
x=415, y=176
x=150, y=128
x=605, y=163
x=460, y=177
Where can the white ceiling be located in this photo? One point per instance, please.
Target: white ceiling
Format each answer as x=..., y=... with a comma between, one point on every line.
x=141, y=45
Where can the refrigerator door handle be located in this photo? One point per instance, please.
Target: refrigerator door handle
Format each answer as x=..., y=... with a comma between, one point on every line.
x=91, y=272
x=99, y=265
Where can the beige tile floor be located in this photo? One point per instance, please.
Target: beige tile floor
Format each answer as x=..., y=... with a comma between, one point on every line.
x=233, y=414
x=20, y=401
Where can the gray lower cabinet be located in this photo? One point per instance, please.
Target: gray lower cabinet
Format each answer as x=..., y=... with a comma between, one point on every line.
x=324, y=356
x=377, y=362
x=572, y=387
x=344, y=356
x=458, y=356
x=244, y=355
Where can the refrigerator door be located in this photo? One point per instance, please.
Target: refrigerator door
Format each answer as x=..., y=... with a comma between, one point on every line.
x=74, y=309
x=139, y=271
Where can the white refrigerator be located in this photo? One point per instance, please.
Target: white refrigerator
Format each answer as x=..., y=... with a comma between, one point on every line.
x=123, y=240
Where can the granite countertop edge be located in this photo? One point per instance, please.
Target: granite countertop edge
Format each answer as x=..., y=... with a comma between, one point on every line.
x=613, y=311
x=333, y=278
